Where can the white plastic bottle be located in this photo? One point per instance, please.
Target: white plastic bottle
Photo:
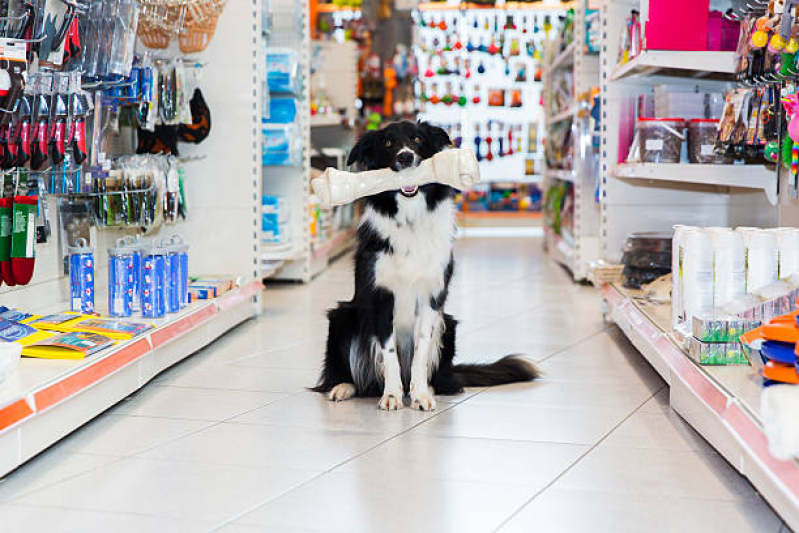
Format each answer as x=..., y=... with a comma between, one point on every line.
x=697, y=276
x=677, y=249
x=787, y=251
x=761, y=260
x=729, y=267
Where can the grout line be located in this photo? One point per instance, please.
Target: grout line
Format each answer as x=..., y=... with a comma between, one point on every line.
x=332, y=468
x=576, y=461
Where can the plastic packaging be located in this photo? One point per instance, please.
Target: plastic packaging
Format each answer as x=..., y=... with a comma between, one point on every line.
x=172, y=269
x=282, y=110
x=81, y=277
x=661, y=139
x=788, y=251
x=697, y=268
x=281, y=145
x=282, y=70
x=761, y=260
x=729, y=267
x=123, y=275
x=702, y=135
x=677, y=244
x=153, y=289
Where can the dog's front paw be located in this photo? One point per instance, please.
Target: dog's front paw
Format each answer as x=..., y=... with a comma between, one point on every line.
x=391, y=401
x=423, y=399
x=341, y=392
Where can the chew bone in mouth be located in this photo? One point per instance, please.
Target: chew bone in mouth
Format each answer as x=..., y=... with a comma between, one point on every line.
x=456, y=167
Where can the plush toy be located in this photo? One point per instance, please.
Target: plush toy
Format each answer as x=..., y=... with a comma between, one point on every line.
x=455, y=167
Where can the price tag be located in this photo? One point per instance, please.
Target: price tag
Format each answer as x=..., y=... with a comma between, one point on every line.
x=654, y=144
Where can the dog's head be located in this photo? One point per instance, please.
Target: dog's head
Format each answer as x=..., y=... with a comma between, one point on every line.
x=398, y=146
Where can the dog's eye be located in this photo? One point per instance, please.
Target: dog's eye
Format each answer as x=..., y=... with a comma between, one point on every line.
x=388, y=142
x=417, y=140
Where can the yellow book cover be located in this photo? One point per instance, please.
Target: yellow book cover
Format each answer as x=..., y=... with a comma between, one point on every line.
x=62, y=322
x=71, y=345
x=114, y=329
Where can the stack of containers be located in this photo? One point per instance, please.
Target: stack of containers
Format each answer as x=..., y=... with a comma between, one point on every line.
x=152, y=278
x=723, y=284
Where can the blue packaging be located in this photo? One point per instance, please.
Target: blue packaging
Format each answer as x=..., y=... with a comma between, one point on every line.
x=282, y=110
x=280, y=145
x=282, y=70
x=81, y=277
x=153, y=287
x=122, y=279
x=183, y=273
x=172, y=267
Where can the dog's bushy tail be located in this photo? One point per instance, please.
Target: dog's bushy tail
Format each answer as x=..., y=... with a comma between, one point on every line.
x=509, y=369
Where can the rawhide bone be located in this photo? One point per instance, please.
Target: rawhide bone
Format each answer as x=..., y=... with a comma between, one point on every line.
x=456, y=167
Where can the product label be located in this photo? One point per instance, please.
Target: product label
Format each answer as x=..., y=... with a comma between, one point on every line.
x=24, y=230
x=707, y=149
x=654, y=144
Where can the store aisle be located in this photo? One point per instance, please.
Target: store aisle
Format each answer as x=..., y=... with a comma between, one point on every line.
x=230, y=439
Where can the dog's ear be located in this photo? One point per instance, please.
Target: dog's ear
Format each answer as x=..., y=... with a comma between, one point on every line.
x=365, y=150
x=436, y=138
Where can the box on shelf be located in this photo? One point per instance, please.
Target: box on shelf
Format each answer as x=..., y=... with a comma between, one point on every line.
x=718, y=353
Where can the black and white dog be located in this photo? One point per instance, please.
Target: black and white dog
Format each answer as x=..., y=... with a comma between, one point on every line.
x=393, y=336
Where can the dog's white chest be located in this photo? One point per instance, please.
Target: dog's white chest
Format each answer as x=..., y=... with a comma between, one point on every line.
x=421, y=246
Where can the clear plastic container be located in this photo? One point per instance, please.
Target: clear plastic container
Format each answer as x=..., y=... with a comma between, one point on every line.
x=661, y=139
x=702, y=134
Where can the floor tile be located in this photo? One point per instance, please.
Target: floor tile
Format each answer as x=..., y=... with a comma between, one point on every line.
x=247, y=379
x=181, y=490
x=314, y=410
x=684, y=474
x=193, y=403
x=61, y=520
x=414, y=456
x=301, y=356
x=548, y=392
x=122, y=435
x=349, y=502
x=524, y=422
x=49, y=467
x=574, y=511
x=273, y=446
x=662, y=431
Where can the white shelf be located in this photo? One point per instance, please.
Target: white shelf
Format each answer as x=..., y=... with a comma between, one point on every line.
x=558, y=174
x=710, y=400
x=651, y=61
x=46, y=399
x=564, y=59
x=742, y=176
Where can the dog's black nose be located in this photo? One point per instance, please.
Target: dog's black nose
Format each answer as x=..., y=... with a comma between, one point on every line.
x=405, y=160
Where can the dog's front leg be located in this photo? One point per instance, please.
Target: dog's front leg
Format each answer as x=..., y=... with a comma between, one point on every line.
x=388, y=359
x=392, y=386
x=425, y=355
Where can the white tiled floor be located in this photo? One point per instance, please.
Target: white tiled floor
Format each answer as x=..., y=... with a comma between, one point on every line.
x=231, y=441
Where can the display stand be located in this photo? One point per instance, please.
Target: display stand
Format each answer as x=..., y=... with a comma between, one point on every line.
x=286, y=24
x=579, y=245
x=656, y=196
x=45, y=400
x=721, y=403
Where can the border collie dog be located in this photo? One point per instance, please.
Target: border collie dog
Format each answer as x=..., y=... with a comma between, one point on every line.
x=393, y=336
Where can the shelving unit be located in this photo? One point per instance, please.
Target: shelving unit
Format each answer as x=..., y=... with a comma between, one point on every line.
x=654, y=197
x=721, y=403
x=45, y=400
x=584, y=67
x=289, y=27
